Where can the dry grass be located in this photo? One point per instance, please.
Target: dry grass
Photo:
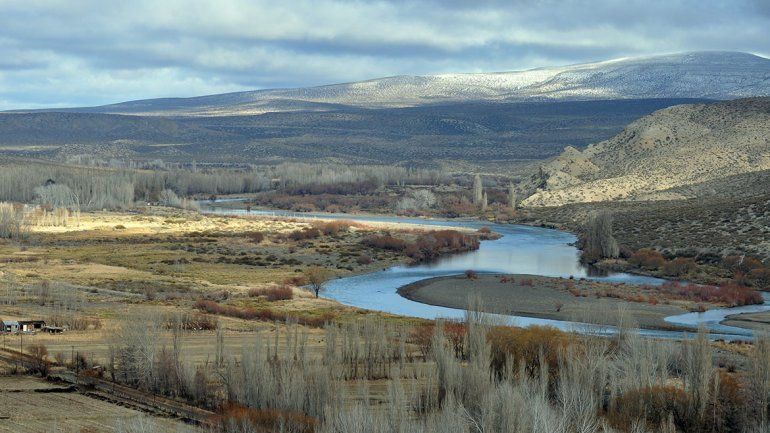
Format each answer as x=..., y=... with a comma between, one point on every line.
x=31, y=411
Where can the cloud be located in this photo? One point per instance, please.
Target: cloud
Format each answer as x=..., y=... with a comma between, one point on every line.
x=61, y=53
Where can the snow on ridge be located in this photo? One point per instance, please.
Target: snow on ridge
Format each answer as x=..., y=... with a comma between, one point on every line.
x=714, y=75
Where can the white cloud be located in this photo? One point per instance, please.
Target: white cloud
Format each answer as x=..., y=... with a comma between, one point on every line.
x=55, y=53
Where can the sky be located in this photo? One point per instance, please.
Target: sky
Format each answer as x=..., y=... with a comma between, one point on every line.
x=57, y=53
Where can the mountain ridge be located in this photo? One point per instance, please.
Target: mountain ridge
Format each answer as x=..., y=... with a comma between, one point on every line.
x=704, y=75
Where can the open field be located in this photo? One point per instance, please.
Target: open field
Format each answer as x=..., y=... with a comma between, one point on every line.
x=32, y=405
x=204, y=310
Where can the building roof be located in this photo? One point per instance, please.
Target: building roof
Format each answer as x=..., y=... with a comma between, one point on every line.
x=10, y=322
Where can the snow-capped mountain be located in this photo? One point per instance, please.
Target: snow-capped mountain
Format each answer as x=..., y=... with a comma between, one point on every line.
x=713, y=75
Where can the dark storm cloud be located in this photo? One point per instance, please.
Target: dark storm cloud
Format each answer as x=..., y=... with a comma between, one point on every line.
x=58, y=53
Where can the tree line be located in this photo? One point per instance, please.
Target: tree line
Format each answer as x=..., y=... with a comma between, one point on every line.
x=119, y=188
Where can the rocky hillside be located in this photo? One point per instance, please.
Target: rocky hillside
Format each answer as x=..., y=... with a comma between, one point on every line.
x=679, y=152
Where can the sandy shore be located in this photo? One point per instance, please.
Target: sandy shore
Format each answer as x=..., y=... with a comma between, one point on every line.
x=755, y=321
x=545, y=298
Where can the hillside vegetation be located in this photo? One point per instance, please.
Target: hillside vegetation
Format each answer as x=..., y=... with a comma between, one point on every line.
x=492, y=133
x=680, y=152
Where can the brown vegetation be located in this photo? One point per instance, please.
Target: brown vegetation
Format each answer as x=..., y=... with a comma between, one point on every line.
x=279, y=293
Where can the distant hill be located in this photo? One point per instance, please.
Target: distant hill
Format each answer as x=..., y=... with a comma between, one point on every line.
x=683, y=151
x=704, y=75
x=492, y=134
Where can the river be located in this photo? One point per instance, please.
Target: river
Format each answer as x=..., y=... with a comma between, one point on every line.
x=520, y=250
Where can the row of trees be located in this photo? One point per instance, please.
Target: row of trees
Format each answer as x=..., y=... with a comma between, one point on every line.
x=99, y=188
x=473, y=376
x=481, y=199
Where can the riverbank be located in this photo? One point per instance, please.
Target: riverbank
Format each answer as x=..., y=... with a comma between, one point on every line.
x=544, y=297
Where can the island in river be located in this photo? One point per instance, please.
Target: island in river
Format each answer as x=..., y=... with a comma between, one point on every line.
x=579, y=300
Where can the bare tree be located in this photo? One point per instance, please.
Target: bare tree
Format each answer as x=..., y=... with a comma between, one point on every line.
x=598, y=241
x=478, y=190
x=512, y=199
x=317, y=277
x=12, y=223
x=39, y=355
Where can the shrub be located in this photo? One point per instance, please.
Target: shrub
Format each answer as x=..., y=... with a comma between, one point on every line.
x=262, y=314
x=192, y=322
x=761, y=277
x=647, y=258
x=385, y=242
x=364, y=259
x=239, y=418
x=471, y=274
x=38, y=354
x=652, y=405
x=422, y=336
x=741, y=263
x=280, y=293
x=297, y=280
x=304, y=234
x=431, y=245
x=74, y=323
x=12, y=224
x=256, y=237
x=333, y=228
x=526, y=345
x=731, y=294
x=454, y=332
x=679, y=266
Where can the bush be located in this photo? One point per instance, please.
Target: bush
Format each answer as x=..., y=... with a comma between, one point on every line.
x=385, y=242
x=761, y=277
x=304, y=234
x=652, y=405
x=731, y=294
x=12, y=224
x=431, y=245
x=333, y=228
x=471, y=274
x=280, y=293
x=364, y=259
x=74, y=323
x=239, y=418
x=743, y=264
x=263, y=314
x=679, y=266
x=38, y=354
x=256, y=237
x=526, y=345
x=647, y=258
x=192, y=322
x=454, y=332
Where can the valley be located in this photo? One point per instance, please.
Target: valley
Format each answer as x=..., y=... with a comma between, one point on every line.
x=583, y=248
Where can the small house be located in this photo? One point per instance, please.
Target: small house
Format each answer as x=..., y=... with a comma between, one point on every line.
x=11, y=326
x=31, y=325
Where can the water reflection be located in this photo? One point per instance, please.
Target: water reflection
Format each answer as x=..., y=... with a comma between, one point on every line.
x=520, y=250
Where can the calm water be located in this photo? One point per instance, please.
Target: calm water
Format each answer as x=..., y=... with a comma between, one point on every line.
x=520, y=250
